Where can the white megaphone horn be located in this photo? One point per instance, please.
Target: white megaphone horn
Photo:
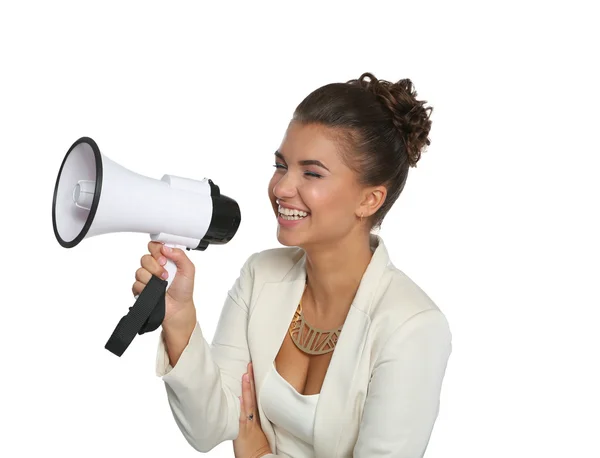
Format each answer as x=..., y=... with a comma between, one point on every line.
x=94, y=195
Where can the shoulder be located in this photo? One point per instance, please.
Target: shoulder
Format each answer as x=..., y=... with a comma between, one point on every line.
x=399, y=294
x=261, y=267
x=402, y=307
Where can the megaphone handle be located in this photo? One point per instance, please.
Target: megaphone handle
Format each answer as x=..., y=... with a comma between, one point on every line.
x=170, y=266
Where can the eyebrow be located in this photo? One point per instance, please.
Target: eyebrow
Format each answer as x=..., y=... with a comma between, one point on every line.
x=305, y=162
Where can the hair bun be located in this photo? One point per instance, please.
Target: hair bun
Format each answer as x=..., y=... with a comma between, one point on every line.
x=409, y=115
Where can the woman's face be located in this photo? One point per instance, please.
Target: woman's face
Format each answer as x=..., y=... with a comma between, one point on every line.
x=311, y=177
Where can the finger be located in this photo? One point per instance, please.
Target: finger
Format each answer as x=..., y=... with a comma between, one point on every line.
x=242, y=410
x=251, y=376
x=247, y=396
x=137, y=288
x=155, y=267
x=252, y=383
x=253, y=392
x=181, y=260
x=154, y=249
x=143, y=276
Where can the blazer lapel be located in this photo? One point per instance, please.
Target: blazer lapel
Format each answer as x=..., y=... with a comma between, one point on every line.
x=278, y=302
x=336, y=389
x=268, y=325
x=338, y=381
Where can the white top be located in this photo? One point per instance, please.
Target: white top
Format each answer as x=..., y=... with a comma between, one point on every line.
x=292, y=415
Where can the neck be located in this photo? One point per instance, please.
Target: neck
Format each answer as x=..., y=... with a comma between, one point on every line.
x=334, y=274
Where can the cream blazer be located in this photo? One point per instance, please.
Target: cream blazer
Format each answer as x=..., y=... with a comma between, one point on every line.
x=380, y=396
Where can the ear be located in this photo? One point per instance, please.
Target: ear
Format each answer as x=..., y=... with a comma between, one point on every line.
x=372, y=199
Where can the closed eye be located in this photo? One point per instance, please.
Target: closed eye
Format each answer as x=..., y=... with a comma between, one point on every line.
x=313, y=174
x=307, y=173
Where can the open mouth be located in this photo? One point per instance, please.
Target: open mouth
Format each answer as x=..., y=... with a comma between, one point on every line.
x=292, y=215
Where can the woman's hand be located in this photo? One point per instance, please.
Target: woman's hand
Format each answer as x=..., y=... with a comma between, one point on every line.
x=180, y=312
x=251, y=441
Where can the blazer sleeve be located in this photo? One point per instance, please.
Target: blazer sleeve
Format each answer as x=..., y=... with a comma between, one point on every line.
x=203, y=388
x=403, y=397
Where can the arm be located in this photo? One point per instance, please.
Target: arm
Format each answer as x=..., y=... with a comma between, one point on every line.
x=404, y=393
x=204, y=385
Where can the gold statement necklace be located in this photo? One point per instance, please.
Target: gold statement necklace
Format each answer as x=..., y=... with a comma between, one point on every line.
x=309, y=339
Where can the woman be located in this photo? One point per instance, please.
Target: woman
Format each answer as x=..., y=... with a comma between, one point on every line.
x=348, y=354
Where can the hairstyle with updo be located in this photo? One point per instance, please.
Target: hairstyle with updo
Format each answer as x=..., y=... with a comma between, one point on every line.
x=382, y=127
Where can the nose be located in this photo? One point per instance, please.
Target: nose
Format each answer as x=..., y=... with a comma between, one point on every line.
x=285, y=187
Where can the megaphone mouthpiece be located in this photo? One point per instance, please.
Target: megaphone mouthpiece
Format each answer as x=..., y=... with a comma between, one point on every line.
x=83, y=194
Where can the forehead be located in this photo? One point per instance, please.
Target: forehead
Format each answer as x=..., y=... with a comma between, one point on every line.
x=310, y=141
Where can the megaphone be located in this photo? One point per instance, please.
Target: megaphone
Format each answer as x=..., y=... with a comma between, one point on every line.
x=94, y=195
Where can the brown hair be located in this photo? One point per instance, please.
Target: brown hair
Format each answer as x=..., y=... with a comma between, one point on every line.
x=382, y=127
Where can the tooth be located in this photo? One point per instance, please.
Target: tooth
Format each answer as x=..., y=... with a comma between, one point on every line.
x=292, y=212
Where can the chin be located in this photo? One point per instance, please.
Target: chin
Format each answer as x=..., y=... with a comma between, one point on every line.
x=288, y=239
x=292, y=238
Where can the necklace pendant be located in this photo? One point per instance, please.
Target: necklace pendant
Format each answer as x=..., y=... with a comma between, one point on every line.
x=311, y=340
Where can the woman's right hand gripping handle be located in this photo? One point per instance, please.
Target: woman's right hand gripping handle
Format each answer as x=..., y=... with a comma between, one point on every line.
x=180, y=312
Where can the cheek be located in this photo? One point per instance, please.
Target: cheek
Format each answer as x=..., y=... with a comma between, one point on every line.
x=331, y=203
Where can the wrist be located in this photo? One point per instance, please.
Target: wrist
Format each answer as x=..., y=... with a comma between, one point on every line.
x=181, y=321
x=180, y=327
x=176, y=337
x=266, y=450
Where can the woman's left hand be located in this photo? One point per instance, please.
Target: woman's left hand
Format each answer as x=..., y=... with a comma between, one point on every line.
x=251, y=441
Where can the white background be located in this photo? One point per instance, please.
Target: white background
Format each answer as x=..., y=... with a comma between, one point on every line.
x=498, y=223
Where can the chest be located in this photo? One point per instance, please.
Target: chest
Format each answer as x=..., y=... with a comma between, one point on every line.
x=304, y=372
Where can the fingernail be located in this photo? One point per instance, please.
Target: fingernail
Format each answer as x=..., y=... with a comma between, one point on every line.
x=164, y=275
x=162, y=260
x=166, y=248
x=246, y=378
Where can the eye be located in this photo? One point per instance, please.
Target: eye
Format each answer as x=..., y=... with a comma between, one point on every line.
x=313, y=174
x=278, y=165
